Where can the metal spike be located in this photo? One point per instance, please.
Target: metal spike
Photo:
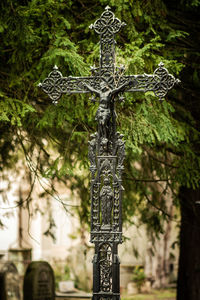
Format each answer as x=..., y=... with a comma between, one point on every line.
x=161, y=64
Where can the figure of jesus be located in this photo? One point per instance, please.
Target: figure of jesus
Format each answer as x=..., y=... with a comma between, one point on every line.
x=103, y=114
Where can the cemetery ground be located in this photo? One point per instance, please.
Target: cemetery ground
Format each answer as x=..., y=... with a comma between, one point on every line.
x=161, y=294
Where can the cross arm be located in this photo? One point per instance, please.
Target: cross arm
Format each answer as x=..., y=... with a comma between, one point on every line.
x=160, y=82
x=55, y=85
x=90, y=88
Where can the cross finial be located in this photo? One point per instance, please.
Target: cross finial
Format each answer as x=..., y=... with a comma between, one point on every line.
x=107, y=24
x=107, y=7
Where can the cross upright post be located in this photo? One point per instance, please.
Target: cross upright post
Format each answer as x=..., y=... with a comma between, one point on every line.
x=107, y=148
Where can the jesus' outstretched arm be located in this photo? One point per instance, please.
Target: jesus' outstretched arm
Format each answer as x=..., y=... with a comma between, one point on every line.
x=120, y=88
x=90, y=88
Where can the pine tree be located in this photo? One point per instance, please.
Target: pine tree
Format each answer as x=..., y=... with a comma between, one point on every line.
x=162, y=136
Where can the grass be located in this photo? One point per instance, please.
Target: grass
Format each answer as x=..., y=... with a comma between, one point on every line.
x=168, y=294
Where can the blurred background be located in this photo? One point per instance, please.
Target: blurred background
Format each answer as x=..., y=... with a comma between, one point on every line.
x=44, y=169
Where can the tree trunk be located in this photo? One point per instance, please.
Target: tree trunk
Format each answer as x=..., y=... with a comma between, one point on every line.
x=189, y=260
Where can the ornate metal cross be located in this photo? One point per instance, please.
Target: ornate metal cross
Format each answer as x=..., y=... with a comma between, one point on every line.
x=106, y=147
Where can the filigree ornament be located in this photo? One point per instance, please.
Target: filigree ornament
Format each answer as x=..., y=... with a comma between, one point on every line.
x=55, y=84
x=106, y=167
x=107, y=24
x=160, y=82
x=50, y=86
x=164, y=81
x=95, y=221
x=105, y=264
x=105, y=236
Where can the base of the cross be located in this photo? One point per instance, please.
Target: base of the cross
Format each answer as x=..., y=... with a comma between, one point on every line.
x=106, y=272
x=106, y=297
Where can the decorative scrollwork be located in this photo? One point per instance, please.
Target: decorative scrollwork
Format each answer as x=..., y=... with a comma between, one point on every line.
x=95, y=207
x=105, y=167
x=50, y=87
x=107, y=24
x=159, y=83
x=55, y=84
x=105, y=236
x=163, y=81
x=105, y=264
x=116, y=208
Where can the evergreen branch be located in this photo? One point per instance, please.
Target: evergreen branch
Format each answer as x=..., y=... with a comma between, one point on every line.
x=160, y=161
x=146, y=180
x=158, y=208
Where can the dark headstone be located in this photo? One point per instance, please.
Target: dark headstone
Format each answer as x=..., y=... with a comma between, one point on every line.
x=39, y=282
x=9, y=282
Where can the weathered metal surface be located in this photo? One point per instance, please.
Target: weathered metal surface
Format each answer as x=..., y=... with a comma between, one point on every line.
x=107, y=147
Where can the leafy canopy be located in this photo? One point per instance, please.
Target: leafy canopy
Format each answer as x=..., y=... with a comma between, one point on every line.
x=161, y=137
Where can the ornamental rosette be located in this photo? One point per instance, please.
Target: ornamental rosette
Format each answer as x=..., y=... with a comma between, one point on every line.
x=107, y=23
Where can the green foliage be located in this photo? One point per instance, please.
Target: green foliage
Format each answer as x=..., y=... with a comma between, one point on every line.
x=13, y=110
x=61, y=272
x=161, y=294
x=162, y=138
x=139, y=277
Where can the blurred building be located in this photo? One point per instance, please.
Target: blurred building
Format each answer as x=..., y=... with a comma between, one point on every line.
x=27, y=235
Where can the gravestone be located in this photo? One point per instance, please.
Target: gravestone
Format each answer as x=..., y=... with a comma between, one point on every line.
x=9, y=282
x=39, y=282
x=21, y=257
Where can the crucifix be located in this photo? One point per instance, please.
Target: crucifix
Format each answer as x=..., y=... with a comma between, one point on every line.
x=106, y=150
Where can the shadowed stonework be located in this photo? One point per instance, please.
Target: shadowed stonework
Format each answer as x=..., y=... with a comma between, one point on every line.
x=39, y=282
x=9, y=282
